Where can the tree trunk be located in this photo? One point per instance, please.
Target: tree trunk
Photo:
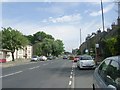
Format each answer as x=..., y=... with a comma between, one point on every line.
x=13, y=56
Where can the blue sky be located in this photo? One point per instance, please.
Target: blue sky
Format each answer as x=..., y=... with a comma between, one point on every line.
x=62, y=20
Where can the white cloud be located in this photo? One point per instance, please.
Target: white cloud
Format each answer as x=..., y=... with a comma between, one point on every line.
x=105, y=10
x=64, y=19
x=55, y=0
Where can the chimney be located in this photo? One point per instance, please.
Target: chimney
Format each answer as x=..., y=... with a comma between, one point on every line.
x=118, y=21
x=113, y=26
x=108, y=29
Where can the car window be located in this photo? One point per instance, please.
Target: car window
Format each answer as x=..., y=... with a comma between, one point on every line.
x=86, y=58
x=103, y=68
x=113, y=74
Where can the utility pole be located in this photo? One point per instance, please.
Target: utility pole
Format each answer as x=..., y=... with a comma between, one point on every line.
x=118, y=9
x=80, y=41
x=80, y=36
x=102, y=16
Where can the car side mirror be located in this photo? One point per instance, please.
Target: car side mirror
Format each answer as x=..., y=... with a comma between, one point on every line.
x=111, y=87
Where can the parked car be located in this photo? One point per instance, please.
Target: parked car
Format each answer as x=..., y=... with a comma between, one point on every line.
x=107, y=74
x=86, y=61
x=34, y=58
x=76, y=58
x=50, y=57
x=3, y=61
x=65, y=57
x=42, y=58
x=71, y=57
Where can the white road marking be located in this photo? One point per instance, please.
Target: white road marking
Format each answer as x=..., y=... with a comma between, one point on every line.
x=37, y=66
x=70, y=83
x=70, y=77
x=32, y=68
x=11, y=74
x=73, y=81
x=45, y=64
x=71, y=72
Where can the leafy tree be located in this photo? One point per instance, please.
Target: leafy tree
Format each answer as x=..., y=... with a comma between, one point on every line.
x=47, y=46
x=37, y=49
x=30, y=38
x=57, y=47
x=40, y=36
x=111, y=45
x=13, y=40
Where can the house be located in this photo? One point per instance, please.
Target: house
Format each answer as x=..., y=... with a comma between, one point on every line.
x=5, y=55
x=25, y=53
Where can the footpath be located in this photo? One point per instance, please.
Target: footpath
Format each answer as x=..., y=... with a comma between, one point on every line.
x=15, y=63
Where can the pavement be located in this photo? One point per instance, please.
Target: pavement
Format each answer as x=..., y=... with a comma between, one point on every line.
x=15, y=63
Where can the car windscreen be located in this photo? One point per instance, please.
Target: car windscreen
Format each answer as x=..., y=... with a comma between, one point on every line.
x=85, y=58
x=34, y=57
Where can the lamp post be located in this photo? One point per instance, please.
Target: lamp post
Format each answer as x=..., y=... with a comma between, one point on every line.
x=102, y=16
x=96, y=52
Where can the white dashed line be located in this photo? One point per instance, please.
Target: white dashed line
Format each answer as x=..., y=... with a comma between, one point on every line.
x=11, y=74
x=45, y=64
x=70, y=77
x=32, y=68
x=71, y=72
x=70, y=83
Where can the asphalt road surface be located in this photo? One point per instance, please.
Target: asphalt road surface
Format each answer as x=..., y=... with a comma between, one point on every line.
x=47, y=74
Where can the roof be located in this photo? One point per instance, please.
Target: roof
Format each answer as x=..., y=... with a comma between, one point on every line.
x=5, y=50
x=116, y=58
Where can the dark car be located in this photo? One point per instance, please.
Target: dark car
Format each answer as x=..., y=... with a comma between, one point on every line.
x=65, y=57
x=107, y=74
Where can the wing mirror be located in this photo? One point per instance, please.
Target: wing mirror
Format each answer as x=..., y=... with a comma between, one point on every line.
x=111, y=87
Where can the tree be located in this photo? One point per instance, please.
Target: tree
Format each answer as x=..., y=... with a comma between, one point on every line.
x=13, y=40
x=57, y=47
x=40, y=36
x=47, y=46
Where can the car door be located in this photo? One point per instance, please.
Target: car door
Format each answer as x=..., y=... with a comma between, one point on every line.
x=113, y=75
x=100, y=74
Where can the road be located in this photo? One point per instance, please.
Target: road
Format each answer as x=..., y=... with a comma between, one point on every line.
x=47, y=74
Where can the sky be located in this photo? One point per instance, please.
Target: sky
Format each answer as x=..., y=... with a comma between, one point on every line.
x=61, y=19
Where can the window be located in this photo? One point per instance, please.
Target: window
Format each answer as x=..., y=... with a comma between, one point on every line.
x=113, y=74
x=103, y=68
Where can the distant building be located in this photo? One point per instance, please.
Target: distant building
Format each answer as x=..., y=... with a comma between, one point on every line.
x=24, y=53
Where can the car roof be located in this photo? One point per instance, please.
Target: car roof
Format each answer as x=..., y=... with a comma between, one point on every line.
x=116, y=58
x=85, y=55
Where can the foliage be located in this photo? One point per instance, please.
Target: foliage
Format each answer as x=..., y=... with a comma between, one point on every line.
x=13, y=40
x=111, y=45
x=45, y=44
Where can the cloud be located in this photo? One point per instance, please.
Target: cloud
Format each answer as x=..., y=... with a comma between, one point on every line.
x=52, y=9
x=65, y=19
x=55, y=0
x=105, y=10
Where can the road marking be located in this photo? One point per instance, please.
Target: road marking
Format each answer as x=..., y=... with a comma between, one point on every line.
x=37, y=66
x=11, y=74
x=70, y=77
x=71, y=72
x=73, y=81
x=45, y=64
x=32, y=68
x=70, y=83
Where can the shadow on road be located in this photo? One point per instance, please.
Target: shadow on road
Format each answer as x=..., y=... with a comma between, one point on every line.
x=83, y=72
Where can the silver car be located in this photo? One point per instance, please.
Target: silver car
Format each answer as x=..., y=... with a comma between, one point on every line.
x=86, y=61
x=107, y=74
x=34, y=58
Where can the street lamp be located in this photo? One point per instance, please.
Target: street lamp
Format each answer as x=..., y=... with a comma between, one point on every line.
x=96, y=52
